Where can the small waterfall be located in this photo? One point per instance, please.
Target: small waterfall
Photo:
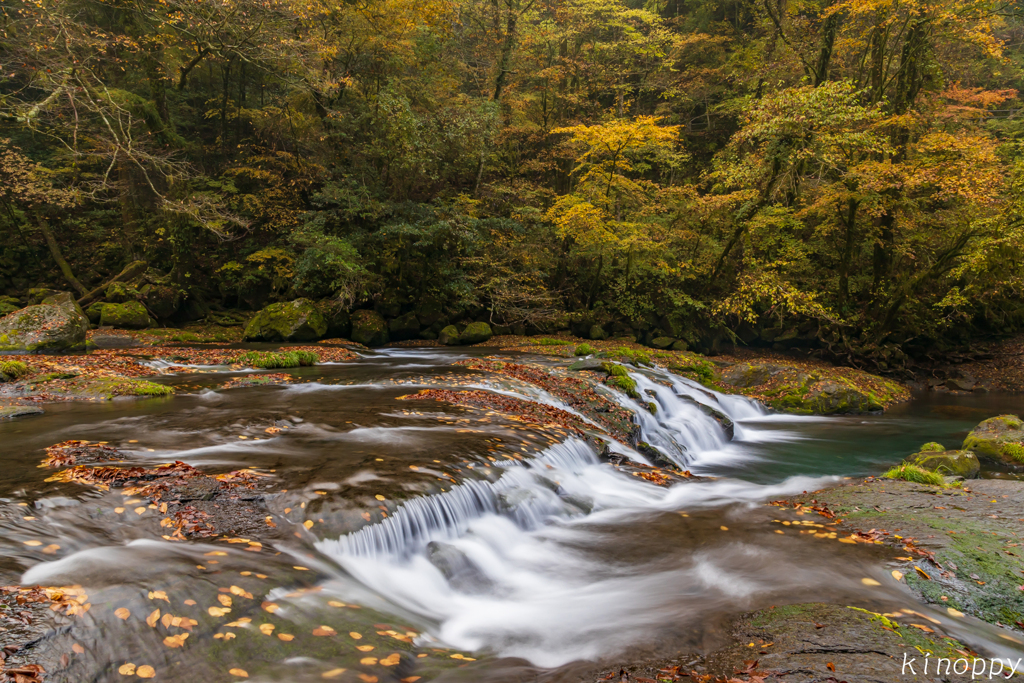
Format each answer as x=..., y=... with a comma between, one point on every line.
x=523, y=494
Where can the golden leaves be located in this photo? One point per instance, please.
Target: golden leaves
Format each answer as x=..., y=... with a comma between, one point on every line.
x=217, y=611
x=159, y=595
x=897, y=574
x=364, y=648
x=224, y=600
x=368, y=661
x=267, y=629
x=122, y=613
x=286, y=637
x=176, y=641
x=126, y=669
x=270, y=607
x=145, y=671
x=391, y=660
x=153, y=617
x=324, y=631
x=333, y=673
x=241, y=673
x=354, y=635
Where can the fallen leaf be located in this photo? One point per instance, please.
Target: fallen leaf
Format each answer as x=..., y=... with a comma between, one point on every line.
x=391, y=660
x=926, y=629
x=153, y=618
x=954, y=612
x=224, y=600
x=368, y=661
x=270, y=607
x=411, y=679
x=241, y=673
x=831, y=667
x=122, y=613
x=126, y=669
x=176, y=641
x=286, y=637
x=364, y=648
x=308, y=524
x=354, y=635
x=33, y=543
x=158, y=595
x=379, y=497
x=266, y=629
x=333, y=673
x=335, y=603
x=923, y=573
x=869, y=582
x=897, y=574
x=324, y=631
x=367, y=678
x=77, y=649
x=217, y=611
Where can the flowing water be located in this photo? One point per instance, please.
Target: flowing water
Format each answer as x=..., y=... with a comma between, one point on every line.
x=516, y=549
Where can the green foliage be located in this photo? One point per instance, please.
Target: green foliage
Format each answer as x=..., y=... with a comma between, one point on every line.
x=548, y=341
x=932, y=446
x=584, y=350
x=274, y=359
x=1014, y=450
x=914, y=474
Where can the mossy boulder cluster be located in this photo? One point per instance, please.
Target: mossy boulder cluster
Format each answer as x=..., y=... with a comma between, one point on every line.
x=292, y=321
x=130, y=315
x=816, y=391
x=934, y=457
x=369, y=328
x=999, y=439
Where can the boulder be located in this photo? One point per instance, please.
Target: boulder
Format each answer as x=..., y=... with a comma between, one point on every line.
x=1000, y=439
x=6, y=308
x=130, y=315
x=597, y=332
x=449, y=336
x=663, y=343
x=66, y=299
x=679, y=345
x=94, y=312
x=475, y=333
x=162, y=300
x=292, y=321
x=746, y=375
x=45, y=328
x=369, y=328
x=947, y=463
x=403, y=327
x=119, y=292
x=336, y=315
x=428, y=312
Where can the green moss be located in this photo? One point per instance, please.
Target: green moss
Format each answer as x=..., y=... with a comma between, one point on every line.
x=547, y=341
x=12, y=369
x=1014, y=450
x=932, y=446
x=584, y=350
x=619, y=378
x=634, y=356
x=273, y=359
x=915, y=474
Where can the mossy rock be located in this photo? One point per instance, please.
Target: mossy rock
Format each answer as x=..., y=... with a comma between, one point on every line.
x=663, y=343
x=6, y=308
x=130, y=315
x=746, y=375
x=107, y=388
x=119, y=293
x=1000, y=439
x=11, y=412
x=162, y=300
x=65, y=299
x=11, y=370
x=94, y=312
x=404, y=327
x=948, y=463
x=598, y=333
x=294, y=321
x=37, y=294
x=369, y=328
x=449, y=336
x=45, y=328
x=475, y=333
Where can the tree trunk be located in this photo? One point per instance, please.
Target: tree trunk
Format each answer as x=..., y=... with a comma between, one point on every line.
x=65, y=268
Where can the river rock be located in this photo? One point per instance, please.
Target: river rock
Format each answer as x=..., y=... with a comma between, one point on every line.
x=162, y=300
x=935, y=458
x=44, y=328
x=663, y=343
x=746, y=375
x=449, y=336
x=403, y=327
x=37, y=294
x=66, y=299
x=597, y=333
x=475, y=333
x=130, y=315
x=119, y=293
x=10, y=412
x=998, y=438
x=94, y=312
x=293, y=321
x=369, y=328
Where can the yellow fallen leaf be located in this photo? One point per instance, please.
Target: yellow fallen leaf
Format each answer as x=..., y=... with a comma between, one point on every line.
x=926, y=629
x=354, y=635
x=215, y=552
x=391, y=660
x=51, y=549
x=217, y=611
x=954, y=612
x=167, y=620
x=301, y=569
x=333, y=673
x=364, y=648
x=286, y=637
x=176, y=641
x=190, y=601
x=923, y=573
x=368, y=661
x=324, y=631
x=158, y=595
x=270, y=607
x=240, y=592
x=724, y=528
x=118, y=510
x=411, y=679
x=126, y=669
x=897, y=574
x=308, y=524
x=241, y=673
x=33, y=543
x=367, y=678
x=122, y=613
x=266, y=629
x=153, y=618
x=224, y=600
x=140, y=510
x=870, y=582
x=77, y=649
x=335, y=603
x=379, y=497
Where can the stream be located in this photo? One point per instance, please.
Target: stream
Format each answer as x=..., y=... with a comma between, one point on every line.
x=516, y=549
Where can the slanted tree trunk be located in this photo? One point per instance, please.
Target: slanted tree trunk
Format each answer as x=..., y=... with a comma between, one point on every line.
x=51, y=242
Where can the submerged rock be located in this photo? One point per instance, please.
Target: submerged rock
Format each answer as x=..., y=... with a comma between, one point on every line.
x=10, y=412
x=475, y=333
x=129, y=316
x=1000, y=439
x=369, y=328
x=44, y=328
x=461, y=572
x=297, y=320
x=935, y=458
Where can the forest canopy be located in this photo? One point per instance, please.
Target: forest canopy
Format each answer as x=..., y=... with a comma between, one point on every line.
x=844, y=176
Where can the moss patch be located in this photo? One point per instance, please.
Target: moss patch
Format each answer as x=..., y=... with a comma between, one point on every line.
x=276, y=359
x=908, y=472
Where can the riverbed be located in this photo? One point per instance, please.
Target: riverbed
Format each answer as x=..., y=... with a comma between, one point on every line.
x=409, y=539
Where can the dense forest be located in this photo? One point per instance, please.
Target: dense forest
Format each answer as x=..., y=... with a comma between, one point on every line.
x=837, y=175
